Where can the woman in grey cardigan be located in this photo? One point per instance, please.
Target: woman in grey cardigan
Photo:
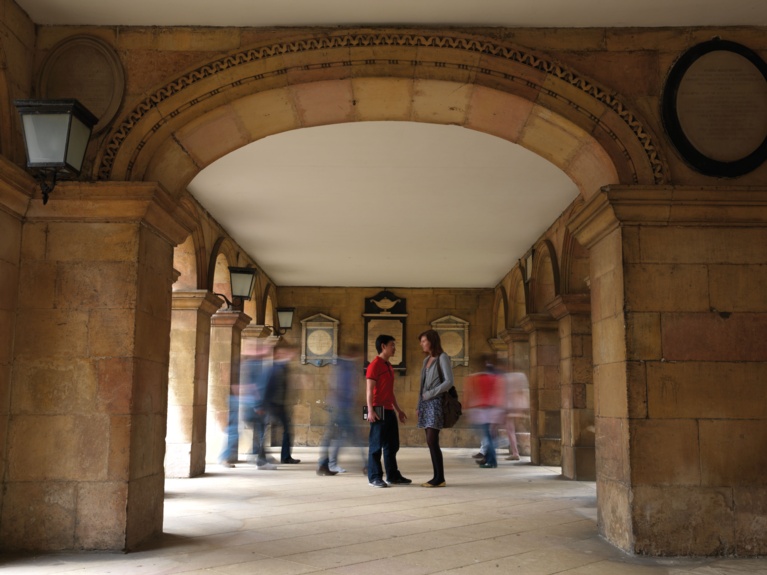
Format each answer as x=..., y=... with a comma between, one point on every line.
x=436, y=378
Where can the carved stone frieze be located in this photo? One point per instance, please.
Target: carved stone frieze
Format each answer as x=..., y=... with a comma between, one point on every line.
x=349, y=41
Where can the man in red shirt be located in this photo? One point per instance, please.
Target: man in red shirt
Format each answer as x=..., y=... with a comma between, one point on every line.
x=384, y=433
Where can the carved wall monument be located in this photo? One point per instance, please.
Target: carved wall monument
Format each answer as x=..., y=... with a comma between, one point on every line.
x=319, y=340
x=454, y=334
x=385, y=313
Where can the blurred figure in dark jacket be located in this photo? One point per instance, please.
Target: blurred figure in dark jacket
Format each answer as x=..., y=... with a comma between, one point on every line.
x=343, y=399
x=276, y=396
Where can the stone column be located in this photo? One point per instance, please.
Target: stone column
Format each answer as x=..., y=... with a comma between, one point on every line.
x=224, y=374
x=573, y=312
x=545, y=394
x=86, y=436
x=15, y=192
x=188, y=382
x=679, y=321
x=258, y=336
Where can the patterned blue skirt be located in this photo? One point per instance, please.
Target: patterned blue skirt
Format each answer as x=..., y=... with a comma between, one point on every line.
x=430, y=413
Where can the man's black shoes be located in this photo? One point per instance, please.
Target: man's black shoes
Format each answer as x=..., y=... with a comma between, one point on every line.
x=377, y=482
x=290, y=460
x=325, y=470
x=401, y=480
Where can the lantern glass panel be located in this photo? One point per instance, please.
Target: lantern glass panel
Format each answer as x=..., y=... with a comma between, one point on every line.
x=242, y=284
x=46, y=139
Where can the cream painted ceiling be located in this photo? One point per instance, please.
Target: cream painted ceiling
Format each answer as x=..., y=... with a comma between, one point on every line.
x=388, y=204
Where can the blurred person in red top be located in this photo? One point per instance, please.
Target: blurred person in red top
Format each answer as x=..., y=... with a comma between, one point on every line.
x=485, y=401
x=384, y=432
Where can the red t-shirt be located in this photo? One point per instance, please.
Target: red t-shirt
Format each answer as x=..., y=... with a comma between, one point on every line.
x=484, y=389
x=382, y=373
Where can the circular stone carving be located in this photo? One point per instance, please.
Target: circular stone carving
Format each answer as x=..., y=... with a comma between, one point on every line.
x=87, y=69
x=452, y=343
x=319, y=342
x=715, y=108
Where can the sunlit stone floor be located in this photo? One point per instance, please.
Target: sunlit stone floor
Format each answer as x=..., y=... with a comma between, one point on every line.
x=518, y=518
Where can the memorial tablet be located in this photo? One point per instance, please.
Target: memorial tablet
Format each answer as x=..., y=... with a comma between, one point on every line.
x=715, y=108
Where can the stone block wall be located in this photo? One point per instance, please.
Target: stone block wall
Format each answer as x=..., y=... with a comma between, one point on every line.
x=700, y=331
x=311, y=383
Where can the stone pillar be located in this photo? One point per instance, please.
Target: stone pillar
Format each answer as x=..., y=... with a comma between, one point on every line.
x=545, y=394
x=517, y=350
x=573, y=312
x=15, y=191
x=679, y=321
x=86, y=436
x=188, y=382
x=253, y=337
x=224, y=374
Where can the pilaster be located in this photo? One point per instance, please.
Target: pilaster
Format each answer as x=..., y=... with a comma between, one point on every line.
x=545, y=394
x=86, y=430
x=573, y=312
x=188, y=381
x=678, y=322
x=224, y=373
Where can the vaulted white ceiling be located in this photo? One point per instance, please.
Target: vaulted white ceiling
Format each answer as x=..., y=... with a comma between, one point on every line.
x=388, y=204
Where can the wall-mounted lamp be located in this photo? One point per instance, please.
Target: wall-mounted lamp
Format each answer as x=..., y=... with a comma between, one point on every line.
x=285, y=319
x=56, y=134
x=241, y=281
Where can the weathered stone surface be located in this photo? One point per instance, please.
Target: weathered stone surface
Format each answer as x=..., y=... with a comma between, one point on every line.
x=683, y=520
x=751, y=520
x=711, y=390
x=665, y=452
x=101, y=520
x=732, y=452
x=39, y=515
x=614, y=513
x=702, y=336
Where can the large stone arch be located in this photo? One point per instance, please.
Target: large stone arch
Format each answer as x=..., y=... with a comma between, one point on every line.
x=451, y=78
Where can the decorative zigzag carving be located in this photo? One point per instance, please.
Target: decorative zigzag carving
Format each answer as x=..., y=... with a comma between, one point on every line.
x=120, y=134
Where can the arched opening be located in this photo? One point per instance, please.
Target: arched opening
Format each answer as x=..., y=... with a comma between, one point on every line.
x=588, y=133
x=185, y=263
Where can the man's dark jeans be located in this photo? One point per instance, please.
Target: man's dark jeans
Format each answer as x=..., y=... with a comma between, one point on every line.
x=384, y=436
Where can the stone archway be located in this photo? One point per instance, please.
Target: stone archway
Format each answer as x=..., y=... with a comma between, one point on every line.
x=460, y=79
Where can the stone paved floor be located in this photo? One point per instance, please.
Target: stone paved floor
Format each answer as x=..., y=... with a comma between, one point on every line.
x=517, y=519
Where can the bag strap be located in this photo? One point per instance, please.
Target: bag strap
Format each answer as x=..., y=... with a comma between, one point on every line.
x=439, y=370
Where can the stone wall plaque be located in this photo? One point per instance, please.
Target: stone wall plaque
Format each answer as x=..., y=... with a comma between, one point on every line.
x=88, y=69
x=319, y=340
x=715, y=108
x=454, y=335
x=385, y=313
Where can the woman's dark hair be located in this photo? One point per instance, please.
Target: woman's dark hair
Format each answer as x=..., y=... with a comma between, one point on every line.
x=433, y=338
x=382, y=340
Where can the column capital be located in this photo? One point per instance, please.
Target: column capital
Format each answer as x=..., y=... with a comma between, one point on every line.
x=256, y=332
x=230, y=318
x=147, y=203
x=570, y=304
x=538, y=322
x=513, y=334
x=205, y=301
x=620, y=206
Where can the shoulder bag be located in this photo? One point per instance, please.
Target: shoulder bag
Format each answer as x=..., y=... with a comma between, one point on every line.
x=451, y=407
